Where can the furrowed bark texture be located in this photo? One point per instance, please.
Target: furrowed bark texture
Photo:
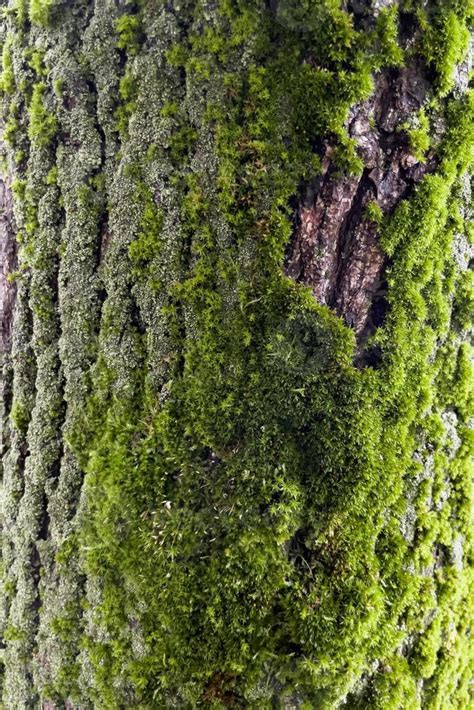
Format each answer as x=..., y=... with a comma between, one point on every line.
x=336, y=248
x=236, y=296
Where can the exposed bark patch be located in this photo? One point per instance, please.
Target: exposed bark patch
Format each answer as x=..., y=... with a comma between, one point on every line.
x=218, y=690
x=335, y=249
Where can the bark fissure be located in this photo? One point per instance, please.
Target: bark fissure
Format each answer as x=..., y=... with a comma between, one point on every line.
x=8, y=259
x=347, y=234
x=335, y=247
x=8, y=256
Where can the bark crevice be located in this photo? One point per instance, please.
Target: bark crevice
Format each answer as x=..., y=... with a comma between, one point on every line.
x=8, y=255
x=335, y=247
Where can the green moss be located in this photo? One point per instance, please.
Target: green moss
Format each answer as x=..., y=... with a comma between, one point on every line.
x=389, y=51
x=58, y=87
x=7, y=79
x=19, y=188
x=52, y=176
x=128, y=93
x=419, y=135
x=445, y=39
x=374, y=212
x=129, y=29
x=346, y=158
x=42, y=124
x=36, y=62
x=146, y=246
x=11, y=131
x=182, y=143
x=20, y=417
x=19, y=156
x=40, y=12
x=21, y=8
x=13, y=633
x=176, y=55
x=464, y=303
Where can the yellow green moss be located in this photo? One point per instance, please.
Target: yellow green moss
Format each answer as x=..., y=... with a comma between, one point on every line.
x=43, y=124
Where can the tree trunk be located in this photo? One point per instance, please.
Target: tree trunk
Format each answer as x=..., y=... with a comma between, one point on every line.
x=235, y=344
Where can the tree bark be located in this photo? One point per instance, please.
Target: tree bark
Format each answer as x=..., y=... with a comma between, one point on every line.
x=235, y=330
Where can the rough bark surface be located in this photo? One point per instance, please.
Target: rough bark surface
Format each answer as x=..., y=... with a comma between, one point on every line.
x=8, y=261
x=7, y=302
x=335, y=248
x=235, y=329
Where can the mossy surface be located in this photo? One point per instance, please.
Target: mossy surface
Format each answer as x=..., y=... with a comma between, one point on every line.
x=208, y=504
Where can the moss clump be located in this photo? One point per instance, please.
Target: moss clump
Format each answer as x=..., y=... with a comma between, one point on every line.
x=20, y=417
x=464, y=303
x=36, y=62
x=21, y=9
x=419, y=135
x=7, y=79
x=52, y=176
x=42, y=124
x=146, y=246
x=129, y=30
x=127, y=92
x=11, y=131
x=40, y=12
x=389, y=51
x=374, y=212
x=445, y=38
